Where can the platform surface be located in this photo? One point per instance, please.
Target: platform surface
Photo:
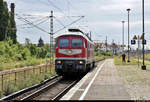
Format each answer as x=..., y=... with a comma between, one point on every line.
x=102, y=83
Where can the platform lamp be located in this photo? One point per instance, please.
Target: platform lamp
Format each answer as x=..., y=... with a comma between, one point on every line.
x=128, y=34
x=123, y=34
x=143, y=66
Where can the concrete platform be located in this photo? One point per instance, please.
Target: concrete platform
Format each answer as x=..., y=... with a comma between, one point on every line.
x=102, y=83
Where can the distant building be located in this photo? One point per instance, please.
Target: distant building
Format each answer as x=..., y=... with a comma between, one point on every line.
x=113, y=47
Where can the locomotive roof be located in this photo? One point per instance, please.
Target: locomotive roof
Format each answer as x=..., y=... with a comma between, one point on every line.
x=77, y=33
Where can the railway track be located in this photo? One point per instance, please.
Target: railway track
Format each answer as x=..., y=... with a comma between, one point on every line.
x=25, y=92
x=51, y=89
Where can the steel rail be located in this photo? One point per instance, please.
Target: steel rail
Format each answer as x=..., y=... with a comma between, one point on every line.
x=21, y=92
x=36, y=93
x=61, y=94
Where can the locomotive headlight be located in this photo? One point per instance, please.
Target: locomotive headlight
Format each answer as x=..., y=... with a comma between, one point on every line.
x=59, y=62
x=69, y=51
x=81, y=62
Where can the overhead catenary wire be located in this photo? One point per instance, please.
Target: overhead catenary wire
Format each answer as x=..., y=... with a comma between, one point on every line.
x=51, y=3
x=59, y=9
x=68, y=7
x=43, y=2
x=31, y=26
x=30, y=23
x=59, y=22
x=72, y=6
x=34, y=16
x=36, y=21
x=69, y=24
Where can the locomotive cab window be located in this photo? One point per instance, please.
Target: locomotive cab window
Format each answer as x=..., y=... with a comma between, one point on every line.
x=77, y=43
x=63, y=42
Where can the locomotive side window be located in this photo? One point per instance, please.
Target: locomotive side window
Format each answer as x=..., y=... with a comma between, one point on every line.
x=77, y=42
x=63, y=42
x=84, y=45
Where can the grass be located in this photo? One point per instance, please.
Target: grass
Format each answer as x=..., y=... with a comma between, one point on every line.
x=19, y=64
x=99, y=58
x=133, y=61
x=147, y=56
x=32, y=78
x=101, y=55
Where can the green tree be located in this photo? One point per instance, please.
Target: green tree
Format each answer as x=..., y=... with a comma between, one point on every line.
x=4, y=18
x=12, y=28
x=7, y=23
x=41, y=42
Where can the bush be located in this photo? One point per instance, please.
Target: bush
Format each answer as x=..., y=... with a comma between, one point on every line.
x=9, y=88
x=103, y=53
x=1, y=94
x=33, y=49
x=41, y=52
x=1, y=67
x=21, y=55
x=18, y=57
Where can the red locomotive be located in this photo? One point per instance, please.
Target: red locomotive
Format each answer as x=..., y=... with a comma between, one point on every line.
x=74, y=53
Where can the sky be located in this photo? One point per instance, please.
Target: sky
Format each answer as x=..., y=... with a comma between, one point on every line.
x=101, y=17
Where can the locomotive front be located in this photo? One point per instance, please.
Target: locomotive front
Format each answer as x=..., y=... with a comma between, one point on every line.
x=70, y=55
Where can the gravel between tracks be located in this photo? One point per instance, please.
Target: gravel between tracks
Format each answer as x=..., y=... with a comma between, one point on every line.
x=52, y=92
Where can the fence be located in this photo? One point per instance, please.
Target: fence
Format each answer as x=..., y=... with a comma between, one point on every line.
x=23, y=77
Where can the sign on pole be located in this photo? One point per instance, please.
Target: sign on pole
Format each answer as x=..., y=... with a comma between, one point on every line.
x=134, y=38
x=142, y=36
x=133, y=42
x=144, y=42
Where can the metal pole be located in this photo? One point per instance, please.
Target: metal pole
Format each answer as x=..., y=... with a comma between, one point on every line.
x=138, y=54
x=143, y=66
x=51, y=38
x=128, y=35
x=123, y=34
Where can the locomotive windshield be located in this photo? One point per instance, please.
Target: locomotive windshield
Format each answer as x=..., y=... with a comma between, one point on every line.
x=63, y=42
x=76, y=42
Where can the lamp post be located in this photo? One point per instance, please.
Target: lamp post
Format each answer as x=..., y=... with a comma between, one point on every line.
x=128, y=34
x=123, y=34
x=143, y=66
